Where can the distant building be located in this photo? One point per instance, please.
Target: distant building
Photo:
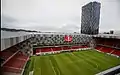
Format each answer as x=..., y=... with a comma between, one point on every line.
x=111, y=32
x=90, y=18
x=106, y=33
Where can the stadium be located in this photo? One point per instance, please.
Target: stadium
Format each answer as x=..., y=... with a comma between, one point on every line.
x=55, y=54
x=85, y=53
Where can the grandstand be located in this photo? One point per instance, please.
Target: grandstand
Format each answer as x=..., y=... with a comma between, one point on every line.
x=16, y=58
x=108, y=44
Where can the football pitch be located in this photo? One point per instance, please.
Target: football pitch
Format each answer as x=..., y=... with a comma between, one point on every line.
x=87, y=62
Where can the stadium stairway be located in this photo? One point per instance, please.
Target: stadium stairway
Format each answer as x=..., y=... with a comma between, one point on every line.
x=16, y=63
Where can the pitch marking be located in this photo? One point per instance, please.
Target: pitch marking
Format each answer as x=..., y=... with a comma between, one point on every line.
x=52, y=67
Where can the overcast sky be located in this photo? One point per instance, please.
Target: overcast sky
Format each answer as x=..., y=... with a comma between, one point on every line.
x=56, y=15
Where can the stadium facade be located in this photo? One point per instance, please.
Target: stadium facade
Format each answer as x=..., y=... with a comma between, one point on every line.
x=90, y=18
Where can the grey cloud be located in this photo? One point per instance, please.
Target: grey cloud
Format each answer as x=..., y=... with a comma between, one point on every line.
x=7, y=21
x=70, y=28
x=56, y=15
x=6, y=18
x=109, y=15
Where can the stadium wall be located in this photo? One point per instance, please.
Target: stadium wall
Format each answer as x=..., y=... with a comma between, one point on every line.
x=8, y=42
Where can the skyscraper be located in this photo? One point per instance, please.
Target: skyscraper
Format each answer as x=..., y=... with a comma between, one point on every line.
x=90, y=18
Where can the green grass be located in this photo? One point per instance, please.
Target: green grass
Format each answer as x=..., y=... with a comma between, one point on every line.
x=71, y=63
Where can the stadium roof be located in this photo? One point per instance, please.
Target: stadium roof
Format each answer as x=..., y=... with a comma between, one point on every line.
x=116, y=36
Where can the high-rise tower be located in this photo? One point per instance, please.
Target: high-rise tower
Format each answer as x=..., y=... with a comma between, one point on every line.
x=90, y=18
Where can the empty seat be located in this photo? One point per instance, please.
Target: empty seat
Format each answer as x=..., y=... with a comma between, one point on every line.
x=46, y=49
x=116, y=52
x=56, y=48
x=16, y=63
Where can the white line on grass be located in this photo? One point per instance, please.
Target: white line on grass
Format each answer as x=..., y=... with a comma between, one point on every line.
x=52, y=67
x=34, y=64
x=58, y=71
x=31, y=72
x=40, y=70
x=87, y=59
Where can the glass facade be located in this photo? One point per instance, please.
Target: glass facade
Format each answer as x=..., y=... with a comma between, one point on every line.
x=90, y=18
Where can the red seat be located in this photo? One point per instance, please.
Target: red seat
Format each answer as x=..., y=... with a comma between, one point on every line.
x=46, y=49
x=66, y=47
x=19, y=55
x=8, y=52
x=106, y=49
x=56, y=48
x=116, y=52
x=98, y=47
x=16, y=63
